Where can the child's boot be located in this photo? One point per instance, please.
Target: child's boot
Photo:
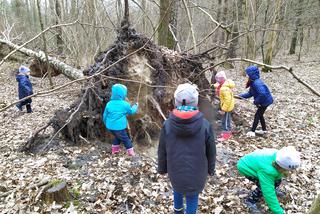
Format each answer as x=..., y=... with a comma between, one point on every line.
x=252, y=207
x=130, y=152
x=224, y=136
x=29, y=110
x=115, y=149
x=19, y=107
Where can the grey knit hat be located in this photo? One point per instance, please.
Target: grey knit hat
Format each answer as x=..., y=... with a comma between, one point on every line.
x=187, y=93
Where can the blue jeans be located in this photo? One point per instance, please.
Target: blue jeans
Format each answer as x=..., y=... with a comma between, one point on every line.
x=191, y=201
x=226, y=122
x=121, y=136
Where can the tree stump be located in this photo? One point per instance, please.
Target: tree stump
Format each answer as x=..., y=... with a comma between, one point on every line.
x=58, y=193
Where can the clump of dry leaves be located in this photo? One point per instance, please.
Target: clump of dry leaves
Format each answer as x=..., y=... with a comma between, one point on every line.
x=101, y=183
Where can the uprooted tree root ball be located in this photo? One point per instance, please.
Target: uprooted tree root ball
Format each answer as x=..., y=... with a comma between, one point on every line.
x=151, y=75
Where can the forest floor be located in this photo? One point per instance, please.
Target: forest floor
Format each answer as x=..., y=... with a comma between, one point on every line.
x=101, y=183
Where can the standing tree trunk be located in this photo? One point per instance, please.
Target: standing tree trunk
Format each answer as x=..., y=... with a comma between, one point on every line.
x=44, y=45
x=272, y=36
x=250, y=47
x=297, y=28
x=165, y=37
x=231, y=53
x=59, y=30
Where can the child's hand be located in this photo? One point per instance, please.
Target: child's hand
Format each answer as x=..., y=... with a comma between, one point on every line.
x=221, y=112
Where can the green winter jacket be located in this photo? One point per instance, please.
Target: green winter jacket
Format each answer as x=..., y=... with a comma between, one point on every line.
x=258, y=164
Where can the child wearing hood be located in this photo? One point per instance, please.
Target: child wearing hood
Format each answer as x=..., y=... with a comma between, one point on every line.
x=115, y=120
x=224, y=90
x=24, y=88
x=266, y=167
x=262, y=98
x=186, y=151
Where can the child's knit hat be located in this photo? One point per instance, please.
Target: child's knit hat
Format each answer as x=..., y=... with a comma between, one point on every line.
x=288, y=158
x=220, y=76
x=24, y=69
x=187, y=93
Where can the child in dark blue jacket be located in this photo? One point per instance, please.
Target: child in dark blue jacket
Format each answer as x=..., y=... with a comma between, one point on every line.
x=187, y=151
x=114, y=118
x=24, y=88
x=262, y=98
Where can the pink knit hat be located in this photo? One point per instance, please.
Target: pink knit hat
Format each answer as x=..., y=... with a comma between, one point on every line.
x=220, y=77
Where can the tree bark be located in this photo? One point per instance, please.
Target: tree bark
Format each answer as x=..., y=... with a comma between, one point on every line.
x=44, y=45
x=297, y=28
x=165, y=37
x=272, y=36
x=65, y=69
x=59, y=30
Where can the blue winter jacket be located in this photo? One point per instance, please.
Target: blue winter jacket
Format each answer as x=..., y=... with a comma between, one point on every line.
x=24, y=86
x=258, y=89
x=114, y=115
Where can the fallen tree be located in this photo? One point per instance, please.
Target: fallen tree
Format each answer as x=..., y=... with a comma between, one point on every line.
x=151, y=74
x=37, y=66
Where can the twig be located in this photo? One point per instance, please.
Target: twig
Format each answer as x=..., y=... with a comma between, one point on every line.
x=175, y=38
x=212, y=19
x=39, y=34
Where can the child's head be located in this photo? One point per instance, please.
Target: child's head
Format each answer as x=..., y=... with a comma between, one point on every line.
x=118, y=92
x=221, y=77
x=287, y=159
x=23, y=70
x=186, y=95
x=253, y=72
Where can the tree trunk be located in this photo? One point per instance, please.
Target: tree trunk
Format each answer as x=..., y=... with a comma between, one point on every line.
x=297, y=28
x=165, y=37
x=272, y=36
x=59, y=30
x=44, y=45
x=58, y=193
x=65, y=69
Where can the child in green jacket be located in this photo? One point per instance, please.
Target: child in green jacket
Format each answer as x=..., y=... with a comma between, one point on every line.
x=266, y=167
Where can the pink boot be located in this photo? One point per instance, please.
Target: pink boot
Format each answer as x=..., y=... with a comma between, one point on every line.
x=224, y=136
x=115, y=149
x=130, y=152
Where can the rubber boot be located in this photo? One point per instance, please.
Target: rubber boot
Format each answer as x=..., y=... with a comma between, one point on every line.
x=29, y=110
x=115, y=149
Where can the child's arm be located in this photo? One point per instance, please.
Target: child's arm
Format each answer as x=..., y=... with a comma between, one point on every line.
x=132, y=109
x=27, y=88
x=246, y=95
x=269, y=193
x=211, y=151
x=162, y=153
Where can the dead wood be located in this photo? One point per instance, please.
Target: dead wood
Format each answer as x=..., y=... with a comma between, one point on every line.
x=151, y=74
x=58, y=193
x=56, y=65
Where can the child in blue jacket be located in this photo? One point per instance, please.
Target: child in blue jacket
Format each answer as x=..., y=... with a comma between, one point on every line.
x=262, y=98
x=114, y=118
x=24, y=88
